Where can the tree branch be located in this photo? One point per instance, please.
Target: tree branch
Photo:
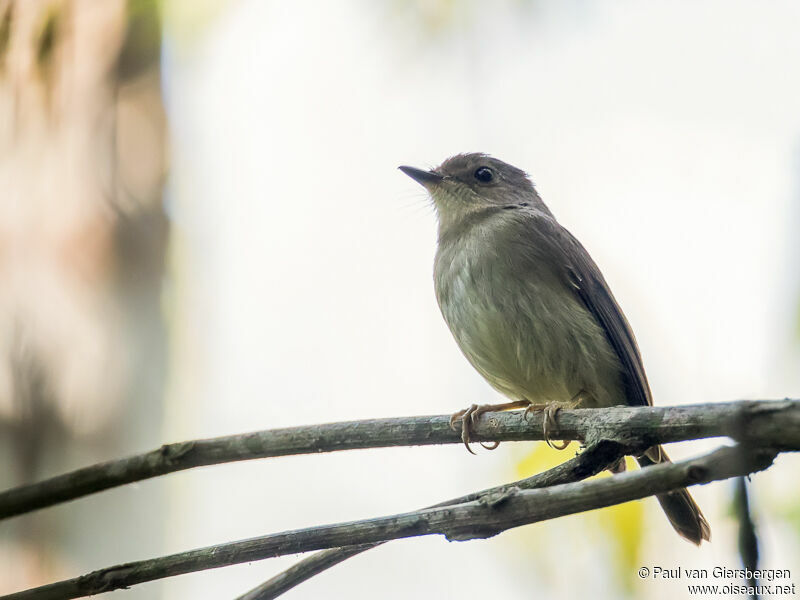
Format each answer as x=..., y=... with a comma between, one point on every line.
x=481, y=518
x=776, y=422
x=591, y=461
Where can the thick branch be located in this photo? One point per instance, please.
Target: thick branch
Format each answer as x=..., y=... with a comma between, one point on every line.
x=774, y=422
x=591, y=461
x=478, y=519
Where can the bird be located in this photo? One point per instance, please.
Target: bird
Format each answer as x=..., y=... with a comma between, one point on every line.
x=530, y=309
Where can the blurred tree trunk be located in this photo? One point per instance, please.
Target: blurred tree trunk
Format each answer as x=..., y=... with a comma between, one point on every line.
x=82, y=242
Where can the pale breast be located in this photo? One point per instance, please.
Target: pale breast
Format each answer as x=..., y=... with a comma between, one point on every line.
x=519, y=325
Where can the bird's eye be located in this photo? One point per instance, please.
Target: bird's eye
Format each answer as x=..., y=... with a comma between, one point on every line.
x=484, y=174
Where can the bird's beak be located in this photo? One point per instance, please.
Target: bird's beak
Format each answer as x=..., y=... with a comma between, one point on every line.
x=425, y=178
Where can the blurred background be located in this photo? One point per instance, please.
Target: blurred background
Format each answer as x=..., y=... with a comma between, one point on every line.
x=203, y=232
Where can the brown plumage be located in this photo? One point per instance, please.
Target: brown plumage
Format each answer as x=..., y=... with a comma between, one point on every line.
x=530, y=309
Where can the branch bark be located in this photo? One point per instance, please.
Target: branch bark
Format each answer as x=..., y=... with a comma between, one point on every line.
x=776, y=422
x=591, y=461
x=481, y=518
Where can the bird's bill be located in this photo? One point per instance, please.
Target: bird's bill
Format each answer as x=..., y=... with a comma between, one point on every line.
x=425, y=178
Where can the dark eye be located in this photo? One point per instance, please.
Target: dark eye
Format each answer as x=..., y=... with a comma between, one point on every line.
x=484, y=174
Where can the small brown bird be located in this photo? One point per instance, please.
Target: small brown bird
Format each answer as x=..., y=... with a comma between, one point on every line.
x=530, y=309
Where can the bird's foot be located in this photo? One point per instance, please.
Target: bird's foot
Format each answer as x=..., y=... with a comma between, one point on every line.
x=550, y=423
x=469, y=417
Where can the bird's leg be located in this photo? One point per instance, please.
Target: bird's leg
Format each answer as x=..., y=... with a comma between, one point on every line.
x=551, y=424
x=550, y=410
x=470, y=415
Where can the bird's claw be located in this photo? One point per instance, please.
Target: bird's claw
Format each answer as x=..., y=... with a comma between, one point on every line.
x=469, y=418
x=550, y=424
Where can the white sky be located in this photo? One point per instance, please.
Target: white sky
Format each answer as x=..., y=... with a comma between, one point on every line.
x=663, y=134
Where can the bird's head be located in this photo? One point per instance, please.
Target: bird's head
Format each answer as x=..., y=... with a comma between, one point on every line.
x=466, y=183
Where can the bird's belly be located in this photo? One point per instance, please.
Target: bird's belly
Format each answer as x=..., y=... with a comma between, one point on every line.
x=532, y=339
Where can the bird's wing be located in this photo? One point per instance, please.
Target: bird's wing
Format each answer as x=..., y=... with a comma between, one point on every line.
x=585, y=278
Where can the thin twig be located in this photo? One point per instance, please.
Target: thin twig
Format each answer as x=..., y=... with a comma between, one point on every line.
x=776, y=422
x=478, y=519
x=594, y=459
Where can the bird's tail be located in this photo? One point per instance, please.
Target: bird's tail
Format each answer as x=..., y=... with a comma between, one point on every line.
x=680, y=508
